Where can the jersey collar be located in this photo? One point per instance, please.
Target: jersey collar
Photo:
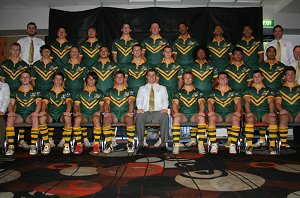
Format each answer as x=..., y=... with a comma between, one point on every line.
x=257, y=89
x=21, y=89
x=158, y=37
x=64, y=41
x=268, y=61
x=164, y=60
x=294, y=85
x=247, y=40
x=89, y=40
x=234, y=63
x=122, y=38
x=134, y=61
x=61, y=89
x=227, y=89
x=215, y=40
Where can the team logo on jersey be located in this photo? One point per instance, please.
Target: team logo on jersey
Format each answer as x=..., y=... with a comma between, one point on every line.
x=265, y=92
x=126, y=94
x=244, y=70
x=254, y=43
x=278, y=68
x=230, y=94
x=194, y=95
x=131, y=93
x=132, y=44
x=20, y=67
x=97, y=46
x=191, y=43
x=78, y=69
x=97, y=96
x=298, y=90
x=173, y=67
x=66, y=47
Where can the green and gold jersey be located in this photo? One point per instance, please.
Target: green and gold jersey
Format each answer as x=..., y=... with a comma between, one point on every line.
x=169, y=74
x=272, y=74
x=223, y=102
x=90, y=102
x=184, y=48
x=154, y=50
x=105, y=71
x=60, y=52
x=203, y=75
x=123, y=49
x=25, y=101
x=220, y=53
x=259, y=104
x=57, y=102
x=238, y=76
x=11, y=73
x=188, y=101
x=42, y=74
x=290, y=98
x=119, y=99
x=136, y=75
x=252, y=49
x=74, y=77
x=90, y=52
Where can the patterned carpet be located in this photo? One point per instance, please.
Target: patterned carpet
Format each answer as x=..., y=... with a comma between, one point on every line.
x=153, y=174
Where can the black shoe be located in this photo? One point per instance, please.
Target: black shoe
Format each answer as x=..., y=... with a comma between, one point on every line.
x=140, y=150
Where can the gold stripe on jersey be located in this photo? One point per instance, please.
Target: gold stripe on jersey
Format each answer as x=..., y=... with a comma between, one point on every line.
x=222, y=103
x=187, y=102
x=119, y=103
x=218, y=53
x=184, y=50
x=237, y=78
x=168, y=76
x=90, y=53
x=258, y=101
x=250, y=51
x=25, y=104
x=290, y=100
x=88, y=105
x=56, y=104
x=104, y=75
x=124, y=51
x=156, y=49
x=136, y=75
x=62, y=53
x=44, y=75
x=270, y=77
x=203, y=76
x=75, y=75
x=13, y=75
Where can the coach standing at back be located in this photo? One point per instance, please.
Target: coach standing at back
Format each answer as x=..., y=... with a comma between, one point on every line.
x=152, y=104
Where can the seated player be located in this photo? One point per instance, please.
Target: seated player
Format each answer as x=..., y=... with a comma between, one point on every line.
x=260, y=107
x=224, y=105
x=88, y=107
x=188, y=105
x=288, y=103
x=57, y=107
x=24, y=106
x=119, y=107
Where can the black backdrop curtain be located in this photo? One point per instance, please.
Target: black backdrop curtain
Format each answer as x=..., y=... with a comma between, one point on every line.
x=201, y=21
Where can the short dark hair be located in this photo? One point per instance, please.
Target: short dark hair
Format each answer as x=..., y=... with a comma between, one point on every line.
x=219, y=25
x=92, y=27
x=289, y=68
x=155, y=22
x=75, y=46
x=296, y=47
x=93, y=75
x=277, y=26
x=16, y=44
x=126, y=23
x=183, y=23
x=48, y=47
x=105, y=46
x=204, y=48
x=58, y=73
x=31, y=23
x=186, y=73
x=168, y=46
x=237, y=49
x=151, y=70
x=137, y=45
x=119, y=72
x=270, y=48
x=222, y=73
x=256, y=71
x=25, y=72
x=247, y=25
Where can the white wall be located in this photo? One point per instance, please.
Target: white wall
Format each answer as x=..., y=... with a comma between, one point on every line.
x=287, y=21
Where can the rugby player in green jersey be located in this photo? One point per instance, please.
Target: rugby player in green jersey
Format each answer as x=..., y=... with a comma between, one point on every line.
x=260, y=107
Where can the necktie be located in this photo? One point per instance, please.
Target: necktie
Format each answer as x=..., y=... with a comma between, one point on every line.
x=278, y=51
x=297, y=71
x=31, y=51
x=151, y=100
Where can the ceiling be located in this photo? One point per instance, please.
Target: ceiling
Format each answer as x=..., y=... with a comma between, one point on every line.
x=282, y=6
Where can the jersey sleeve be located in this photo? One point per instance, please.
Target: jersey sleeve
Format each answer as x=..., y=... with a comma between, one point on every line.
x=114, y=47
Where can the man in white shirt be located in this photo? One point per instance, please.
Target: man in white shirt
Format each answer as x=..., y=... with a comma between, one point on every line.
x=152, y=106
x=296, y=62
x=4, y=101
x=283, y=47
x=30, y=45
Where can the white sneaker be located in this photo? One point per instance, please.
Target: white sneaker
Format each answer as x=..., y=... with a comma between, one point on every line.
x=145, y=143
x=214, y=148
x=191, y=143
x=66, y=150
x=259, y=143
x=176, y=149
x=23, y=144
x=201, y=149
x=181, y=145
x=249, y=151
x=158, y=143
x=114, y=142
x=51, y=142
x=61, y=143
x=10, y=151
x=272, y=151
x=130, y=148
x=46, y=150
x=232, y=149
x=108, y=149
x=32, y=150
x=87, y=143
